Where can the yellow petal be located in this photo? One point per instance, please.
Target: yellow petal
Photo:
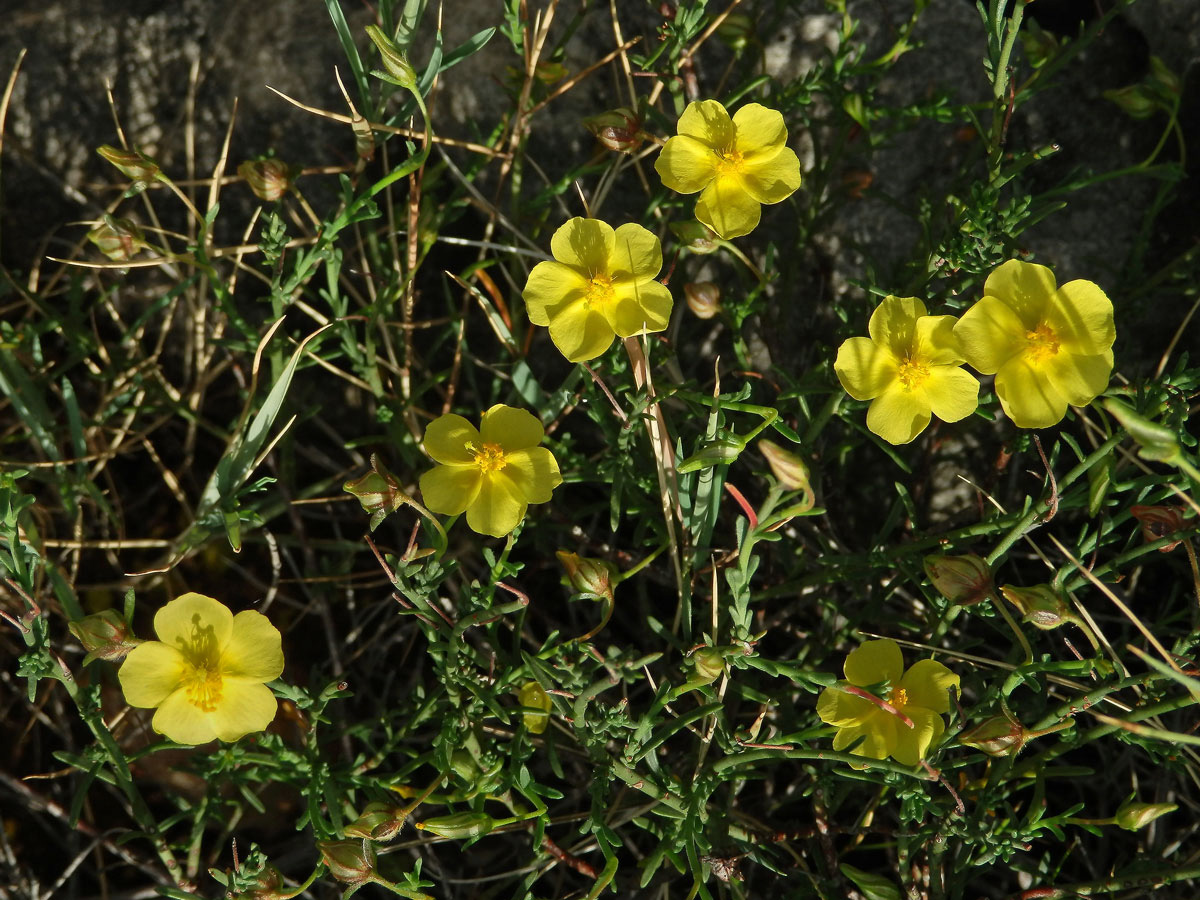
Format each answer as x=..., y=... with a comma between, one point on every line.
x=990, y=334
x=1079, y=379
x=182, y=722
x=245, y=708
x=639, y=308
x=913, y=743
x=1027, y=396
x=952, y=392
x=1026, y=288
x=727, y=208
x=449, y=490
x=864, y=370
x=254, y=651
x=934, y=341
x=838, y=708
x=511, y=428
x=874, y=661
x=533, y=473
x=637, y=254
x=894, y=322
x=880, y=736
x=580, y=333
x=584, y=244
x=899, y=414
x=551, y=283
x=194, y=623
x=685, y=164
x=927, y=684
x=497, y=509
x=151, y=672
x=772, y=179
x=707, y=121
x=447, y=437
x=761, y=132
x=1082, y=316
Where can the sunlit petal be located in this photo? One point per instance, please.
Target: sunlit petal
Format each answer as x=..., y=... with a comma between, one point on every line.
x=254, y=651
x=1079, y=379
x=899, y=414
x=1082, y=316
x=863, y=369
x=893, y=324
x=584, y=244
x=511, y=428
x=150, y=673
x=990, y=334
x=686, y=165
x=836, y=707
x=952, y=392
x=637, y=254
x=707, y=121
x=580, y=333
x=244, y=709
x=1026, y=288
x=727, y=208
x=912, y=744
x=761, y=132
x=772, y=179
x=1027, y=395
x=497, y=508
x=927, y=684
x=533, y=472
x=447, y=438
x=934, y=341
x=551, y=283
x=194, y=624
x=874, y=661
x=449, y=490
x=640, y=307
x=182, y=722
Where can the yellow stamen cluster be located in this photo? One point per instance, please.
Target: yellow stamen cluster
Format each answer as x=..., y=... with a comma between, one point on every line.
x=203, y=686
x=599, y=291
x=729, y=160
x=489, y=458
x=898, y=698
x=1043, y=342
x=913, y=372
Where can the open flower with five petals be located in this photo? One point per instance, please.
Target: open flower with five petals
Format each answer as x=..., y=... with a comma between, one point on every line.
x=902, y=718
x=600, y=284
x=206, y=673
x=1047, y=346
x=737, y=164
x=491, y=473
x=910, y=367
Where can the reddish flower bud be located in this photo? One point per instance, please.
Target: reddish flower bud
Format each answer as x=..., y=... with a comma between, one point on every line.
x=378, y=822
x=118, y=239
x=350, y=862
x=964, y=580
x=595, y=578
x=1040, y=606
x=1159, y=521
x=703, y=298
x=135, y=165
x=617, y=129
x=104, y=635
x=995, y=736
x=270, y=179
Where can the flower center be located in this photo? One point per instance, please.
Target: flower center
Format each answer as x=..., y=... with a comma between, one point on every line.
x=203, y=686
x=489, y=457
x=599, y=291
x=913, y=372
x=898, y=698
x=729, y=162
x=1041, y=342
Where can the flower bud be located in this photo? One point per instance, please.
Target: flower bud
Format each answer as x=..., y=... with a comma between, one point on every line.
x=1132, y=816
x=350, y=862
x=134, y=165
x=995, y=736
x=270, y=179
x=459, y=825
x=1039, y=605
x=789, y=469
x=595, y=578
x=399, y=71
x=964, y=580
x=104, y=635
x=1163, y=79
x=118, y=239
x=714, y=453
x=1156, y=442
x=703, y=298
x=463, y=764
x=534, y=698
x=709, y=664
x=1159, y=521
x=617, y=129
x=1135, y=100
x=696, y=236
x=378, y=491
x=378, y=822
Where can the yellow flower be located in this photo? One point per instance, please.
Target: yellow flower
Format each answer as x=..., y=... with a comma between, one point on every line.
x=919, y=695
x=493, y=473
x=1047, y=347
x=600, y=284
x=206, y=671
x=738, y=163
x=910, y=367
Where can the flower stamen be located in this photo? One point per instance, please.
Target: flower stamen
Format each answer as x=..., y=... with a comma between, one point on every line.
x=489, y=457
x=599, y=291
x=1042, y=342
x=913, y=372
x=203, y=686
x=729, y=161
